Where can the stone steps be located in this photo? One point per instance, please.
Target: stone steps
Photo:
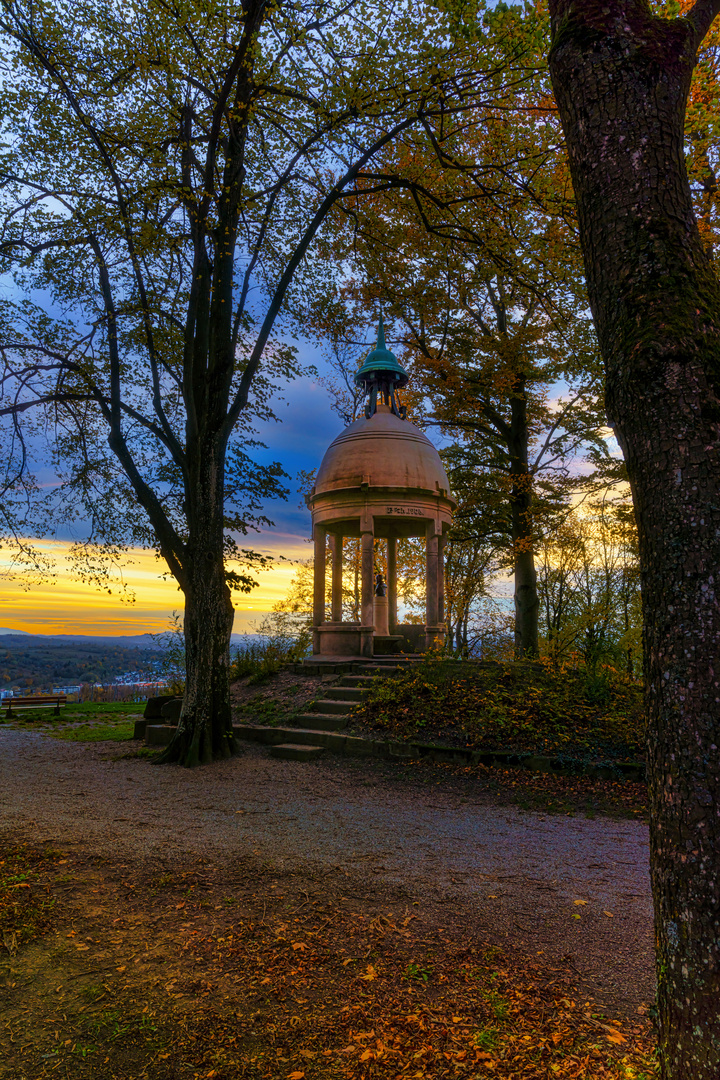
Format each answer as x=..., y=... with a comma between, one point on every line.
x=336, y=741
x=296, y=751
x=305, y=744
x=381, y=669
x=350, y=694
x=329, y=705
x=316, y=729
x=321, y=721
x=329, y=713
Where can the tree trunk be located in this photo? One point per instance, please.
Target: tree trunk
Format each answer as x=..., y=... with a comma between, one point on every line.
x=458, y=636
x=205, y=732
x=621, y=79
x=526, y=595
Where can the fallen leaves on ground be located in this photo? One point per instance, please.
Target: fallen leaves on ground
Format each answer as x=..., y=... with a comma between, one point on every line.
x=219, y=990
x=26, y=902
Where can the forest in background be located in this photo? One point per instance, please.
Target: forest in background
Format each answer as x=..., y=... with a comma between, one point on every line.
x=39, y=662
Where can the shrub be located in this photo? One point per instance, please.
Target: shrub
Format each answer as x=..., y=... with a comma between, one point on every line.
x=261, y=659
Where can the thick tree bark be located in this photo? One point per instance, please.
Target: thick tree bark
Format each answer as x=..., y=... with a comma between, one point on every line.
x=205, y=732
x=621, y=79
x=205, y=729
x=526, y=595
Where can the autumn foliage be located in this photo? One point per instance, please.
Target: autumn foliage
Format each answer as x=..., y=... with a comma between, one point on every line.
x=510, y=706
x=161, y=972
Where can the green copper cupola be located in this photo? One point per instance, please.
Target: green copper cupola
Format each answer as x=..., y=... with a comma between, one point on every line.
x=382, y=374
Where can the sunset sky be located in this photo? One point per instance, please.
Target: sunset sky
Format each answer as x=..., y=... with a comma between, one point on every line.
x=68, y=606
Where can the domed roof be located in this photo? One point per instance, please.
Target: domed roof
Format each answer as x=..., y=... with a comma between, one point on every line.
x=383, y=451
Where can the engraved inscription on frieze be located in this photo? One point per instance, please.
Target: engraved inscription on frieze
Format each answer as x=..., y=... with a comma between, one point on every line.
x=412, y=511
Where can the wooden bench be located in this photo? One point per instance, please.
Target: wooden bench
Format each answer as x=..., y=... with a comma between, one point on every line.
x=47, y=701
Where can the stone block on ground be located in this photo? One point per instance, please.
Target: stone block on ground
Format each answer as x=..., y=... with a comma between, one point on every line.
x=139, y=729
x=159, y=734
x=153, y=706
x=171, y=710
x=296, y=752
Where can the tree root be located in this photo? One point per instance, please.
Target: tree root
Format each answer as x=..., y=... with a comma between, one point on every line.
x=197, y=751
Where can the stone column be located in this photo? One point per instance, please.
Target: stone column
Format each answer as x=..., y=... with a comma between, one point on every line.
x=319, y=534
x=392, y=584
x=367, y=613
x=431, y=576
x=336, y=548
x=441, y=578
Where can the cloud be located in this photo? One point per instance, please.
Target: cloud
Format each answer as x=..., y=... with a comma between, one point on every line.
x=67, y=606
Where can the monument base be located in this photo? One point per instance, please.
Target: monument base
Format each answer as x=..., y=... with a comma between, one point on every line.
x=434, y=636
x=342, y=639
x=380, y=609
x=354, y=639
x=387, y=644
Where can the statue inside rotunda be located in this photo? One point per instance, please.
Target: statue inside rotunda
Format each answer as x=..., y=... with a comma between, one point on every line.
x=380, y=479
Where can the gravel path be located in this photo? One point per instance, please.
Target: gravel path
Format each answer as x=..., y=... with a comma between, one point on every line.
x=514, y=876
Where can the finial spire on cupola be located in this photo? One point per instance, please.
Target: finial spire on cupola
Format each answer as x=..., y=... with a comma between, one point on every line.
x=382, y=374
x=381, y=334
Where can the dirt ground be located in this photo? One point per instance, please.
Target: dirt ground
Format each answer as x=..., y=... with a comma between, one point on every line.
x=331, y=919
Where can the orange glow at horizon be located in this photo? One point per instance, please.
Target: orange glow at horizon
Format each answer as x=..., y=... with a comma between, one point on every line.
x=68, y=606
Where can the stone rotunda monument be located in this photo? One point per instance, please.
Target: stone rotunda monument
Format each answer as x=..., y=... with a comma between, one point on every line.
x=380, y=479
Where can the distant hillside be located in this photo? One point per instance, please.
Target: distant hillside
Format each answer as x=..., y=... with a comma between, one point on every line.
x=39, y=662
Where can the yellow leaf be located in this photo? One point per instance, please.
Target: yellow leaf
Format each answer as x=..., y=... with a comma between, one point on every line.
x=348, y=961
x=370, y=974
x=299, y=945
x=367, y=1055
x=296, y=1075
x=581, y=903
x=264, y=982
x=615, y=1036
x=609, y=914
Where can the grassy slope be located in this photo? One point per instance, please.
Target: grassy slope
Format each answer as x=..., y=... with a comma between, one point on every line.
x=511, y=706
